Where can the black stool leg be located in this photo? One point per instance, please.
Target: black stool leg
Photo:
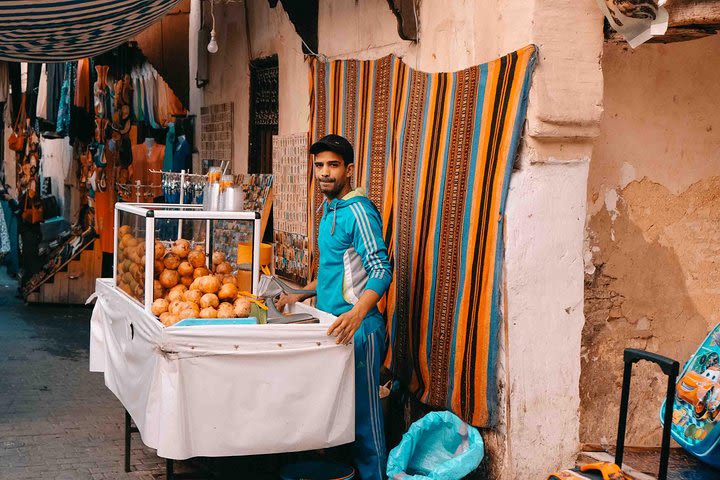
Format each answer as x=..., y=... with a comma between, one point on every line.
x=127, y=441
x=169, y=469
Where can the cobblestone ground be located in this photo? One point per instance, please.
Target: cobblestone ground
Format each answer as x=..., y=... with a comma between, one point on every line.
x=58, y=421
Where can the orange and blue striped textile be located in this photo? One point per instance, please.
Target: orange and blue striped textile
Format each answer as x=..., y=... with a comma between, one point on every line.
x=434, y=151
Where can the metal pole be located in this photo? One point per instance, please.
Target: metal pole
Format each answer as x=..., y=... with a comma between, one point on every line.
x=256, y=256
x=169, y=473
x=182, y=201
x=149, y=255
x=127, y=441
x=664, y=459
x=622, y=422
x=116, y=232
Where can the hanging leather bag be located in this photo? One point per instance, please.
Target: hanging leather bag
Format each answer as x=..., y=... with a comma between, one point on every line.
x=16, y=140
x=32, y=211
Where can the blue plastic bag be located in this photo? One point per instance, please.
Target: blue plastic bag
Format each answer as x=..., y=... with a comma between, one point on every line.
x=439, y=446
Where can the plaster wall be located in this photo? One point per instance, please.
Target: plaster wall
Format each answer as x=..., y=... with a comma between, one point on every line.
x=651, y=250
x=544, y=272
x=195, y=93
x=546, y=210
x=229, y=74
x=272, y=33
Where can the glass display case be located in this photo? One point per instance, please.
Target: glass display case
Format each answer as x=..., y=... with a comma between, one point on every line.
x=159, y=246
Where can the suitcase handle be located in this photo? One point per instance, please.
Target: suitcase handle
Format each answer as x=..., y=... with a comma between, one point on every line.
x=667, y=365
x=671, y=368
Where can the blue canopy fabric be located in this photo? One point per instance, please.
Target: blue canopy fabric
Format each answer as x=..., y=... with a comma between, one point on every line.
x=63, y=30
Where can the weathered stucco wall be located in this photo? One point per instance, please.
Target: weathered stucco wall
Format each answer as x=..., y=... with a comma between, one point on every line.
x=271, y=33
x=229, y=74
x=652, y=281
x=543, y=281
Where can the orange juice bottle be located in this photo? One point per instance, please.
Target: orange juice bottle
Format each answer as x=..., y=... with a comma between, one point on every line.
x=214, y=175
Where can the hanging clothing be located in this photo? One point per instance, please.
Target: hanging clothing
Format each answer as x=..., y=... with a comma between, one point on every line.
x=162, y=112
x=82, y=86
x=41, y=110
x=175, y=106
x=16, y=87
x=182, y=158
x=103, y=99
x=33, y=86
x=7, y=112
x=5, y=94
x=4, y=82
x=444, y=239
x=56, y=161
x=104, y=206
x=143, y=99
x=63, y=116
x=136, y=100
x=169, y=148
x=144, y=160
x=55, y=78
x=12, y=259
x=104, y=218
x=150, y=77
x=82, y=125
x=73, y=202
x=4, y=237
x=10, y=164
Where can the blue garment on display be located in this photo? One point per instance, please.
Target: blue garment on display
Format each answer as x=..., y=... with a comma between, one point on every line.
x=182, y=158
x=12, y=259
x=169, y=148
x=63, y=121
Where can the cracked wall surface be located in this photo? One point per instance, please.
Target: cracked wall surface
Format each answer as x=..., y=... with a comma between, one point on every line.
x=651, y=260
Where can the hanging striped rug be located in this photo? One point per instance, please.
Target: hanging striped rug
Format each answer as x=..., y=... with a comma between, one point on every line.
x=62, y=30
x=434, y=152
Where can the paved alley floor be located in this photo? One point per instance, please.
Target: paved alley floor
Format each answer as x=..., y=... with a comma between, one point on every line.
x=58, y=421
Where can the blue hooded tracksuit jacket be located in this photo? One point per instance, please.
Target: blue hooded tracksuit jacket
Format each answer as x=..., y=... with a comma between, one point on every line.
x=353, y=258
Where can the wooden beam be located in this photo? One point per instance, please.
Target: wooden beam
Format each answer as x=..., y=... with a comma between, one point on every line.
x=693, y=12
x=689, y=20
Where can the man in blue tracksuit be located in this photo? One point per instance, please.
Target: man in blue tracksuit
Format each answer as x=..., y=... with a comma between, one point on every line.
x=353, y=275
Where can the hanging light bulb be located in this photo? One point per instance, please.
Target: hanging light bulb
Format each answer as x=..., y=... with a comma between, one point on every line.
x=212, y=46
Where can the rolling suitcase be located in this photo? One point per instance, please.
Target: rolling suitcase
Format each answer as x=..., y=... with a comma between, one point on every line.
x=612, y=471
x=696, y=407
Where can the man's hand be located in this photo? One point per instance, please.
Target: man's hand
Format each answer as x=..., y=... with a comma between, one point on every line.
x=346, y=325
x=287, y=299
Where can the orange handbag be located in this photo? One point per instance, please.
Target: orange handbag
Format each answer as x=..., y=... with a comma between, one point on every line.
x=16, y=140
x=32, y=211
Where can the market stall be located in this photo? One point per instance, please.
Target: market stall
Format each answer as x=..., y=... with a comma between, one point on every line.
x=223, y=390
x=202, y=385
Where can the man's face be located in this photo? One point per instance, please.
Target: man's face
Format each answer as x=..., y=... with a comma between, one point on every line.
x=331, y=173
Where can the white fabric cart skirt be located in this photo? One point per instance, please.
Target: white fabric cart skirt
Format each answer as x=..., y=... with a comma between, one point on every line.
x=223, y=390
